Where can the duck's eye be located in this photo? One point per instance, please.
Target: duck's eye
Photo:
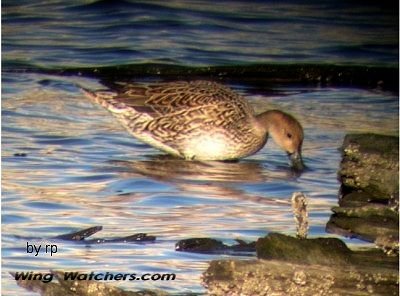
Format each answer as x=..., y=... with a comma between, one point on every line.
x=289, y=135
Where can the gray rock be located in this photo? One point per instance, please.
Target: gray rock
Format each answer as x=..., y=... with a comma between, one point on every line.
x=371, y=164
x=368, y=208
x=262, y=277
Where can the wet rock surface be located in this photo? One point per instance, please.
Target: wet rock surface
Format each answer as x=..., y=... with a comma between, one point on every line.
x=213, y=246
x=296, y=266
x=368, y=206
x=371, y=164
x=82, y=235
x=262, y=277
x=324, y=251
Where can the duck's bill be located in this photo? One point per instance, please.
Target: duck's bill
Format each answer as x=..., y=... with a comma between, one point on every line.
x=296, y=160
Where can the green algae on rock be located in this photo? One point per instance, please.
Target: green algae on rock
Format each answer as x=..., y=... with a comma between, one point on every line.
x=324, y=251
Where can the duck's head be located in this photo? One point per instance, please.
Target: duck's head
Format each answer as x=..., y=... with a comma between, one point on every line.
x=286, y=132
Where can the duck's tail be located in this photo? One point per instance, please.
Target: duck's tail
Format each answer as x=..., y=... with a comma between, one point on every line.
x=134, y=121
x=127, y=115
x=107, y=100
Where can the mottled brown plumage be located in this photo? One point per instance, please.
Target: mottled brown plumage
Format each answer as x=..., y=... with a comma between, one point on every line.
x=198, y=120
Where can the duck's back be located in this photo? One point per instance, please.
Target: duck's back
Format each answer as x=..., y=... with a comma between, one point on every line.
x=169, y=97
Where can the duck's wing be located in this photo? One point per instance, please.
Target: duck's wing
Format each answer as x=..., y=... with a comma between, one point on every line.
x=177, y=112
x=174, y=129
x=160, y=99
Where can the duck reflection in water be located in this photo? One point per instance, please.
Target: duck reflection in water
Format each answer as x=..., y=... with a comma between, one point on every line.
x=212, y=177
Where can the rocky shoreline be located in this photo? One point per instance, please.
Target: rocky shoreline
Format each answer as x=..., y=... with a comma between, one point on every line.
x=368, y=210
x=369, y=195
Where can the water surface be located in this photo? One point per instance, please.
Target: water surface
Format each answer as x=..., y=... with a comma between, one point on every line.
x=195, y=33
x=77, y=167
x=82, y=169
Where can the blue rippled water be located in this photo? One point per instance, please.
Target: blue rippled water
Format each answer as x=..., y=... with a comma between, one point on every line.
x=94, y=33
x=68, y=165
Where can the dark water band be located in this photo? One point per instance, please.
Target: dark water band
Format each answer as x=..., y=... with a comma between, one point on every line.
x=255, y=74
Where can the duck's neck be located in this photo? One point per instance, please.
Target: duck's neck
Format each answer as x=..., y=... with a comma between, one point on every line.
x=267, y=121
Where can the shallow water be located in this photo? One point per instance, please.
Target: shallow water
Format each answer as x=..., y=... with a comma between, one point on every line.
x=80, y=168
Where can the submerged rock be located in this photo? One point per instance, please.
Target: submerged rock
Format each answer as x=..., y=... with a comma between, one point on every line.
x=324, y=251
x=213, y=246
x=381, y=232
x=81, y=235
x=200, y=245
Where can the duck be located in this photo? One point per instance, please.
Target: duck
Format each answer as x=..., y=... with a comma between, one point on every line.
x=199, y=120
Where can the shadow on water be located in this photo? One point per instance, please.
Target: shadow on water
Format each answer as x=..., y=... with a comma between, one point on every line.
x=171, y=169
x=213, y=178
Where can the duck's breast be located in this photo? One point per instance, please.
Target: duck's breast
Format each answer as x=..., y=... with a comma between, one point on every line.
x=220, y=145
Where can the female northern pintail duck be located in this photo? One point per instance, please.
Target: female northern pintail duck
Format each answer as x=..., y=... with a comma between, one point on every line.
x=199, y=120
